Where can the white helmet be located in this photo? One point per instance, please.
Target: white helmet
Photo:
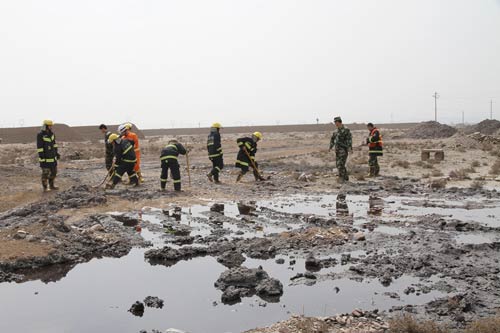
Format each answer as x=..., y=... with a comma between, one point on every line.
x=122, y=128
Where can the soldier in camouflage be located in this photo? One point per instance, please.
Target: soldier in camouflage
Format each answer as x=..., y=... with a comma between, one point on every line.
x=342, y=142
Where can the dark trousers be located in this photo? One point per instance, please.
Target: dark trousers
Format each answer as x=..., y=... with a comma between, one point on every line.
x=217, y=166
x=173, y=165
x=109, y=162
x=245, y=168
x=120, y=170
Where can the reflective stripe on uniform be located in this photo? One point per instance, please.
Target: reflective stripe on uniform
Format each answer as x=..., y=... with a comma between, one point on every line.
x=127, y=150
x=214, y=155
x=49, y=160
x=163, y=179
x=177, y=181
x=47, y=139
x=217, y=168
x=171, y=146
x=248, y=145
x=40, y=150
x=130, y=161
x=41, y=159
x=242, y=163
x=375, y=152
x=168, y=157
x=55, y=146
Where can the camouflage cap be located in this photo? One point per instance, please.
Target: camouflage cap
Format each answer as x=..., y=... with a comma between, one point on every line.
x=337, y=119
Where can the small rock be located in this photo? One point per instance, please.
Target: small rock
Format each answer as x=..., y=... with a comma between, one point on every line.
x=20, y=234
x=280, y=261
x=153, y=302
x=137, y=309
x=97, y=228
x=359, y=237
x=218, y=208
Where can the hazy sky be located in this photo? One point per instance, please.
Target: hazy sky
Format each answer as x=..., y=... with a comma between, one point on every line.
x=163, y=63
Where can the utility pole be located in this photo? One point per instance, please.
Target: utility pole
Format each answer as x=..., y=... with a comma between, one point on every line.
x=436, y=96
x=491, y=108
x=463, y=118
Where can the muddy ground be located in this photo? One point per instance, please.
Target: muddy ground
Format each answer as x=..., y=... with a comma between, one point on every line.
x=423, y=238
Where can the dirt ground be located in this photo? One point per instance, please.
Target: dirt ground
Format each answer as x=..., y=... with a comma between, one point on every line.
x=297, y=164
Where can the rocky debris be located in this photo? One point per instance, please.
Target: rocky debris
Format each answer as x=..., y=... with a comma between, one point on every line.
x=182, y=240
x=76, y=197
x=304, y=177
x=359, y=237
x=128, y=219
x=175, y=213
x=177, y=229
x=169, y=256
x=20, y=234
x=487, y=126
x=431, y=130
x=357, y=321
x=280, y=261
x=246, y=208
x=218, y=208
x=483, y=138
x=69, y=245
x=153, y=302
x=245, y=282
x=10, y=277
x=231, y=259
x=313, y=264
x=137, y=309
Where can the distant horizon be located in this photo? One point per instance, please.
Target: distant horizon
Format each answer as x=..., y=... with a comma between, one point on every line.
x=256, y=125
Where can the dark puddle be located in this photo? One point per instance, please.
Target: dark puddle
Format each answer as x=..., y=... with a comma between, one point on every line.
x=95, y=296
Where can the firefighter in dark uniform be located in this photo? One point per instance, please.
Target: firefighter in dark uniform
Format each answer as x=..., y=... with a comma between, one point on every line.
x=47, y=155
x=125, y=160
x=215, y=153
x=248, y=148
x=109, y=147
x=169, y=160
x=375, y=149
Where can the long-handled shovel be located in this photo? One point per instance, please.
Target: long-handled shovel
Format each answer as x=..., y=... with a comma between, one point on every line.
x=108, y=175
x=253, y=164
x=188, y=168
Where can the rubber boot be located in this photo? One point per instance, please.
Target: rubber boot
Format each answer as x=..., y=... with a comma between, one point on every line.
x=110, y=186
x=52, y=186
x=210, y=177
x=139, y=175
x=240, y=175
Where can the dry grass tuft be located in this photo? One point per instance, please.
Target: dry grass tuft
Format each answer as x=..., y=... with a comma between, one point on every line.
x=486, y=325
x=407, y=324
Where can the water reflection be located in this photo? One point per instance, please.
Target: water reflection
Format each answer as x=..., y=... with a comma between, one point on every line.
x=375, y=205
x=341, y=205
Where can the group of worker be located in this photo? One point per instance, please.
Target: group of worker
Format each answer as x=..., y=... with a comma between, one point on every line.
x=123, y=155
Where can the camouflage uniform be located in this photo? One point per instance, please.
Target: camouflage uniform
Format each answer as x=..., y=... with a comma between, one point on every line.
x=342, y=142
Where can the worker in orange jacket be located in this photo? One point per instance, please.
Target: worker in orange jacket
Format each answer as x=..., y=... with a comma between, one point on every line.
x=125, y=131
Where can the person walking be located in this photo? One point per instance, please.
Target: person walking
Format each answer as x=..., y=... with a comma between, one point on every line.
x=341, y=141
x=215, y=154
x=375, y=149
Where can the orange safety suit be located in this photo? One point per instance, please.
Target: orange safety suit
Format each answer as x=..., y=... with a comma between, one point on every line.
x=131, y=136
